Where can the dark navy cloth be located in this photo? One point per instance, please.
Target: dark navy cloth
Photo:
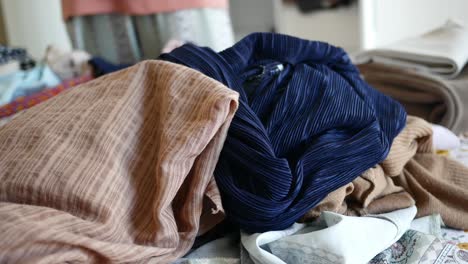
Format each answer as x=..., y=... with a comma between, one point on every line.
x=306, y=125
x=103, y=67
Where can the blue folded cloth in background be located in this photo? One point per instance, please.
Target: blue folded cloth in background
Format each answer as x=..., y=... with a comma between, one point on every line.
x=22, y=83
x=307, y=124
x=102, y=66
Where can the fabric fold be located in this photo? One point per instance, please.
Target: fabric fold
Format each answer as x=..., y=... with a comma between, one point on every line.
x=427, y=96
x=411, y=174
x=333, y=239
x=119, y=169
x=441, y=51
x=307, y=124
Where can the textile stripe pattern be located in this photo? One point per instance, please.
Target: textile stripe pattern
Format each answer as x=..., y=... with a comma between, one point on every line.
x=307, y=124
x=119, y=169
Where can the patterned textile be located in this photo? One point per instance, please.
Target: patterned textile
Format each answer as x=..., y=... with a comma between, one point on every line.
x=8, y=54
x=307, y=124
x=117, y=171
x=458, y=237
x=124, y=39
x=28, y=101
x=416, y=247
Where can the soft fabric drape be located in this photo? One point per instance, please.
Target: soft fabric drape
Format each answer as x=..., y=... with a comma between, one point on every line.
x=412, y=172
x=117, y=170
x=427, y=96
x=307, y=124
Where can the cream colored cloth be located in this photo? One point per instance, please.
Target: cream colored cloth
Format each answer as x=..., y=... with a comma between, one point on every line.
x=67, y=64
x=334, y=238
x=119, y=169
x=412, y=170
x=442, y=51
x=444, y=139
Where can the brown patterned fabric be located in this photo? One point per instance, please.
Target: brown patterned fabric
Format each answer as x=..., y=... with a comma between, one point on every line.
x=411, y=173
x=119, y=169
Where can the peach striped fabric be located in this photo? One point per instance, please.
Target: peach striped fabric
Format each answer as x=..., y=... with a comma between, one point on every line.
x=119, y=169
x=72, y=8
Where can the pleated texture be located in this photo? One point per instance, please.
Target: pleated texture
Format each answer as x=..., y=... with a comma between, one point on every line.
x=307, y=124
x=117, y=170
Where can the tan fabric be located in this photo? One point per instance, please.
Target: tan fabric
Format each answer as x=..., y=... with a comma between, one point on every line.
x=116, y=170
x=412, y=169
x=427, y=96
x=372, y=193
x=438, y=184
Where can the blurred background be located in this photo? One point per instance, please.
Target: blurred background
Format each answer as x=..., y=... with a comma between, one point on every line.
x=353, y=25
x=47, y=46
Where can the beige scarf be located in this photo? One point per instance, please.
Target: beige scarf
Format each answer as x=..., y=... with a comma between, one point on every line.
x=411, y=172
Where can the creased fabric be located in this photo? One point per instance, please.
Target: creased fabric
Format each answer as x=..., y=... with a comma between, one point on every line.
x=333, y=239
x=119, y=169
x=431, y=224
x=307, y=124
x=412, y=172
x=427, y=96
x=441, y=51
x=438, y=184
x=371, y=193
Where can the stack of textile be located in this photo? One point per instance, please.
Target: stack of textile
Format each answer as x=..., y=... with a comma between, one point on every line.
x=14, y=59
x=29, y=83
x=426, y=73
x=272, y=151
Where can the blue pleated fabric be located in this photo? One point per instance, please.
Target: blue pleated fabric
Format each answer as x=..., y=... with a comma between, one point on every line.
x=307, y=124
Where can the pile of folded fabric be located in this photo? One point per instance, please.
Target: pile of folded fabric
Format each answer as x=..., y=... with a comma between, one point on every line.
x=272, y=151
x=24, y=85
x=25, y=82
x=426, y=74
